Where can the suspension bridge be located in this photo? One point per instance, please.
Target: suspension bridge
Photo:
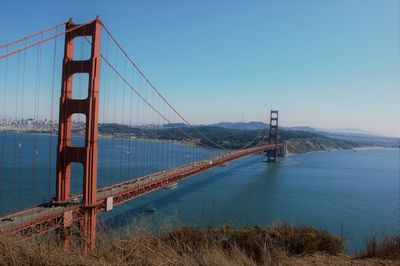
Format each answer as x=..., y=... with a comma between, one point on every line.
x=66, y=155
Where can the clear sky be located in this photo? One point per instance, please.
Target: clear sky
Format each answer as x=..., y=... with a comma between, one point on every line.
x=326, y=64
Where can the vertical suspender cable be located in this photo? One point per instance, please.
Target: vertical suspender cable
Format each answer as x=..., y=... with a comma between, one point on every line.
x=15, y=137
x=3, y=135
x=105, y=97
x=21, y=114
x=114, y=120
x=130, y=133
x=35, y=151
x=123, y=126
x=51, y=119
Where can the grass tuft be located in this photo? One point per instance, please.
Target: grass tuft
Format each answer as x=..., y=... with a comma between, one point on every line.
x=385, y=248
x=182, y=245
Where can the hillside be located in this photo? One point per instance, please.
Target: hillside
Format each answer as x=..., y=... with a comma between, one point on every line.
x=355, y=136
x=241, y=125
x=217, y=137
x=317, y=143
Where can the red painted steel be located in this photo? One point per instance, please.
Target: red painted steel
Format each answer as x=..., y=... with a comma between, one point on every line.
x=82, y=209
x=273, y=136
x=39, y=220
x=67, y=153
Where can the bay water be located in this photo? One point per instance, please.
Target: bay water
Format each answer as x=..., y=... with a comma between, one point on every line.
x=348, y=193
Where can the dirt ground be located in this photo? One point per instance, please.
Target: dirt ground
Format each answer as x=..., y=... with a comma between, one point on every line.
x=321, y=259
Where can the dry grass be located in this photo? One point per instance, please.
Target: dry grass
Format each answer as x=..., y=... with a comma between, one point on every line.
x=386, y=248
x=227, y=245
x=258, y=243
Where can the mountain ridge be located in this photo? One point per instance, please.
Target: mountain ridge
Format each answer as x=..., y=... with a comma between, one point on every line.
x=347, y=134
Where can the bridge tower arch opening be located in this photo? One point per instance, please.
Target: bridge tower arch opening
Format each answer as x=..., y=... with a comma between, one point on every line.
x=66, y=152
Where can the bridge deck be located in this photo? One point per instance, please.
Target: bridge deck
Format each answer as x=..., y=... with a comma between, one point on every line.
x=37, y=220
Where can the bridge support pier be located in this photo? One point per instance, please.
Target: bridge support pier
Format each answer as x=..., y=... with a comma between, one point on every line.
x=273, y=136
x=89, y=229
x=87, y=155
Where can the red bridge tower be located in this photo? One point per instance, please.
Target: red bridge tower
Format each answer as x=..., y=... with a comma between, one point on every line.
x=273, y=136
x=87, y=155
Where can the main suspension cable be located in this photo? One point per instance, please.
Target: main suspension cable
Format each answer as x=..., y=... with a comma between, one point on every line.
x=158, y=92
x=144, y=99
x=43, y=40
x=32, y=35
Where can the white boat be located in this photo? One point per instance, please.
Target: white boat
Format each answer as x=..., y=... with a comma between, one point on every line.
x=171, y=186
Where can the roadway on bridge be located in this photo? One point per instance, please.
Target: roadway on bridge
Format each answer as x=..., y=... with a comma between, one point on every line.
x=34, y=218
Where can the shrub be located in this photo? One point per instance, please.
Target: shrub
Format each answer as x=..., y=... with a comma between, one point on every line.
x=386, y=248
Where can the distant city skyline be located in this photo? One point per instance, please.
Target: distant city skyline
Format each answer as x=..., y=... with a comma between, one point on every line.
x=46, y=124
x=323, y=64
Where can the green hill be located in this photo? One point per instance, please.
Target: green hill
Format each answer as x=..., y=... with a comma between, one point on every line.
x=217, y=137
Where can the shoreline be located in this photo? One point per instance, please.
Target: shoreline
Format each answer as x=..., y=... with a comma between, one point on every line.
x=374, y=148
x=191, y=144
x=350, y=149
x=107, y=136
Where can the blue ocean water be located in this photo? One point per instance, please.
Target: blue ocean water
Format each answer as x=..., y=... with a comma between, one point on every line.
x=28, y=165
x=353, y=194
x=347, y=193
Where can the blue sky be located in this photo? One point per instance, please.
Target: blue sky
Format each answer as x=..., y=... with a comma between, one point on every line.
x=326, y=64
